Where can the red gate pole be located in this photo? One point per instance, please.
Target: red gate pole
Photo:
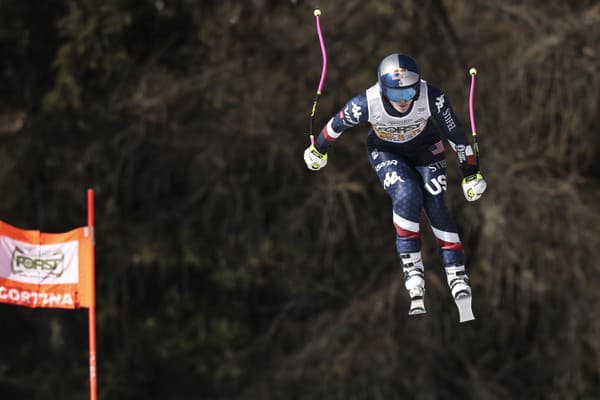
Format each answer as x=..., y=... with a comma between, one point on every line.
x=92, y=309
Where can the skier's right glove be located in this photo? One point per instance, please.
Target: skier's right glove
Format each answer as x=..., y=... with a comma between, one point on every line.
x=314, y=159
x=473, y=186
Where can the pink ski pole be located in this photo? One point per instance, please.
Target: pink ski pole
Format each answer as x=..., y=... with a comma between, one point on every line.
x=317, y=14
x=473, y=72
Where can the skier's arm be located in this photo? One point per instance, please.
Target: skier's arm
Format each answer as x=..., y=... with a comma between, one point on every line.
x=473, y=183
x=453, y=130
x=354, y=112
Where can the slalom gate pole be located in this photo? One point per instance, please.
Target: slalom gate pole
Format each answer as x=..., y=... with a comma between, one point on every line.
x=92, y=308
x=317, y=14
x=473, y=72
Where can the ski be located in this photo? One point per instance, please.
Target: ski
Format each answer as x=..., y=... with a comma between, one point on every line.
x=463, y=303
x=417, y=295
x=417, y=306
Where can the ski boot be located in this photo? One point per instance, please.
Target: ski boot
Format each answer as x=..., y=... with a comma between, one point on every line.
x=461, y=291
x=414, y=281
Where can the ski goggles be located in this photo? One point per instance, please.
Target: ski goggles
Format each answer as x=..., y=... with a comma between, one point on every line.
x=399, y=94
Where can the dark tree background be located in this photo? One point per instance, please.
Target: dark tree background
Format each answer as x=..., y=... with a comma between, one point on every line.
x=226, y=270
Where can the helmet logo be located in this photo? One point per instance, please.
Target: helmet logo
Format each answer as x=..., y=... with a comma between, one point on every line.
x=398, y=74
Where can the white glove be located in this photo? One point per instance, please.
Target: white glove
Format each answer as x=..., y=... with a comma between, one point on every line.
x=314, y=159
x=473, y=186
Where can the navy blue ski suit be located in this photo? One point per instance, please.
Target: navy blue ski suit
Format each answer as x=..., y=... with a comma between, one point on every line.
x=407, y=153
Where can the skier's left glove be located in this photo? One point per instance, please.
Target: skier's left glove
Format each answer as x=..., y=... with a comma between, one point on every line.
x=473, y=186
x=314, y=159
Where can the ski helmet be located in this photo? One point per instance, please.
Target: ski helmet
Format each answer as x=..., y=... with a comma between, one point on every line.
x=399, y=77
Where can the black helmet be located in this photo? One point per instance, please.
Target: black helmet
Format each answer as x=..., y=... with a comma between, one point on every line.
x=399, y=77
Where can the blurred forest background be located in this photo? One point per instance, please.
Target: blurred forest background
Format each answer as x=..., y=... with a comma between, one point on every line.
x=227, y=270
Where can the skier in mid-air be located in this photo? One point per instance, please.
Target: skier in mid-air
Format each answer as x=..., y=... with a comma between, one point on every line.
x=407, y=152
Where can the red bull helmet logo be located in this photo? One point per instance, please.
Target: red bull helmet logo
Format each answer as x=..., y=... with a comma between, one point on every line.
x=399, y=73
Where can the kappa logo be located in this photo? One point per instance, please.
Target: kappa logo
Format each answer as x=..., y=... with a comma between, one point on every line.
x=356, y=112
x=374, y=154
x=439, y=102
x=34, y=264
x=391, y=178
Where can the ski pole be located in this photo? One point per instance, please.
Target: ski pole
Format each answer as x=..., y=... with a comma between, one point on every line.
x=473, y=72
x=317, y=14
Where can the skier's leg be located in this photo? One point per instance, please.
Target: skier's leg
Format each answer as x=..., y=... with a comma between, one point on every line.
x=443, y=225
x=446, y=233
x=403, y=185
